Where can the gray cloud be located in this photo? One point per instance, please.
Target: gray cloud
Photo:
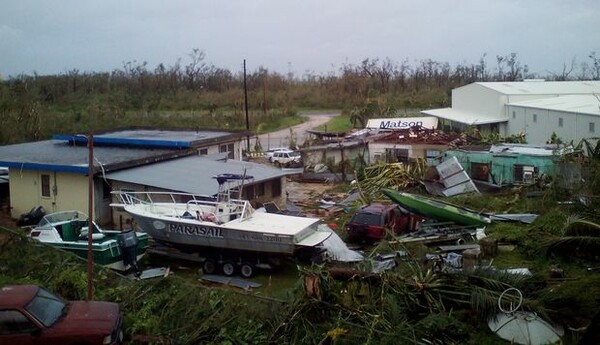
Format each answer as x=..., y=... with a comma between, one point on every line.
x=57, y=36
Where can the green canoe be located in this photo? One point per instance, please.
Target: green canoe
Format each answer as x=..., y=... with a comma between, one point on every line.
x=435, y=209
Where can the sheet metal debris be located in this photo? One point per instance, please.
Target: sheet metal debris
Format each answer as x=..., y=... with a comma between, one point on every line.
x=521, y=327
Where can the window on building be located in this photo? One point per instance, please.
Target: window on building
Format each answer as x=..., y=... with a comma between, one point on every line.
x=394, y=155
x=229, y=148
x=480, y=171
x=592, y=127
x=249, y=192
x=431, y=156
x=534, y=117
x=45, y=185
x=106, y=188
x=560, y=122
x=260, y=189
x=203, y=152
x=514, y=114
x=276, y=188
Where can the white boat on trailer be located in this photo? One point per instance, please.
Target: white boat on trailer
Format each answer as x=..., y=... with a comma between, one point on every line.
x=223, y=231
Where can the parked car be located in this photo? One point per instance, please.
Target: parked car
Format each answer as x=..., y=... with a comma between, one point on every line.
x=285, y=156
x=270, y=152
x=370, y=222
x=30, y=314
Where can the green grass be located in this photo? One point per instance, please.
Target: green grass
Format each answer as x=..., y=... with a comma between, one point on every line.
x=337, y=124
x=277, y=123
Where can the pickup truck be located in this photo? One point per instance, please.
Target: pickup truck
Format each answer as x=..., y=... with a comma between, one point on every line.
x=30, y=314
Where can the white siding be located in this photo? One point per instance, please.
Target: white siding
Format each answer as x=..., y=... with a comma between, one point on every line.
x=583, y=122
x=568, y=131
x=575, y=126
x=475, y=98
x=516, y=121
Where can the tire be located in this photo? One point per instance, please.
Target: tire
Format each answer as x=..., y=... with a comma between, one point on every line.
x=247, y=270
x=228, y=268
x=209, y=266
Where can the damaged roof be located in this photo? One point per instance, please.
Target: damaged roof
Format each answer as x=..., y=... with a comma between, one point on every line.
x=421, y=135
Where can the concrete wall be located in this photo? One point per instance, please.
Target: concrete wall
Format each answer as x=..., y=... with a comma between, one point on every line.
x=214, y=149
x=333, y=154
x=377, y=150
x=67, y=191
x=503, y=165
x=267, y=196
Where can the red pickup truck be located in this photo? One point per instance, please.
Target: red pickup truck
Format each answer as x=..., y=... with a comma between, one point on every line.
x=31, y=315
x=370, y=222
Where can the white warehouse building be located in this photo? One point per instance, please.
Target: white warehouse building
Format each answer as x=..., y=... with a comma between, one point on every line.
x=537, y=108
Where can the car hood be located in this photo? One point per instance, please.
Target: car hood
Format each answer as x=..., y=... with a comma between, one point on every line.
x=84, y=315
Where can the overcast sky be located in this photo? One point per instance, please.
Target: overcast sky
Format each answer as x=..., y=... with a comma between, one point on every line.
x=51, y=37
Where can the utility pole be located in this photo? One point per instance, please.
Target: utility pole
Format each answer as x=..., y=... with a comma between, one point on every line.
x=90, y=255
x=246, y=109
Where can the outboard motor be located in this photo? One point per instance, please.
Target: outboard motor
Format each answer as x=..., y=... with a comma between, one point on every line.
x=32, y=217
x=128, y=243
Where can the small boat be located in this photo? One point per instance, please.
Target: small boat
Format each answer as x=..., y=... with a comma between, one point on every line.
x=435, y=209
x=68, y=230
x=222, y=230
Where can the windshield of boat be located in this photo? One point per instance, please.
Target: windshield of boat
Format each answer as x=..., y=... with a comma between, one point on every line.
x=46, y=307
x=62, y=217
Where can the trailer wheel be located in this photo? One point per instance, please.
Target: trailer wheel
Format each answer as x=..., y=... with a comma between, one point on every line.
x=209, y=266
x=247, y=270
x=228, y=268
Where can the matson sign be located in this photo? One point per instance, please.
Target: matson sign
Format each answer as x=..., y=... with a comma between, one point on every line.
x=403, y=122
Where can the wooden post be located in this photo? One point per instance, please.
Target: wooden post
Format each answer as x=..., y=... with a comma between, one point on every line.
x=470, y=259
x=489, y=247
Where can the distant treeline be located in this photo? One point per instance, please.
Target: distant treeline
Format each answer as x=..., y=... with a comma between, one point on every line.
x=197, y=94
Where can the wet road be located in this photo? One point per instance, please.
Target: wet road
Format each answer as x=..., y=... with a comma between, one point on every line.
x=281, y=138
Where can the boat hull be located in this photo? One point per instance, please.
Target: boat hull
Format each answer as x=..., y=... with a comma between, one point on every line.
x=106, y=252
x=435, y=209
x=263, y=232
x=68, y=230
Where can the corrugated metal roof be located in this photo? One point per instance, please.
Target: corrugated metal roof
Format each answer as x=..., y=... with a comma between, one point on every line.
x=582, y=104
x=525, y=149
x=464, y=117
x=537, y=87
x=192, y=174
x=521, y=149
